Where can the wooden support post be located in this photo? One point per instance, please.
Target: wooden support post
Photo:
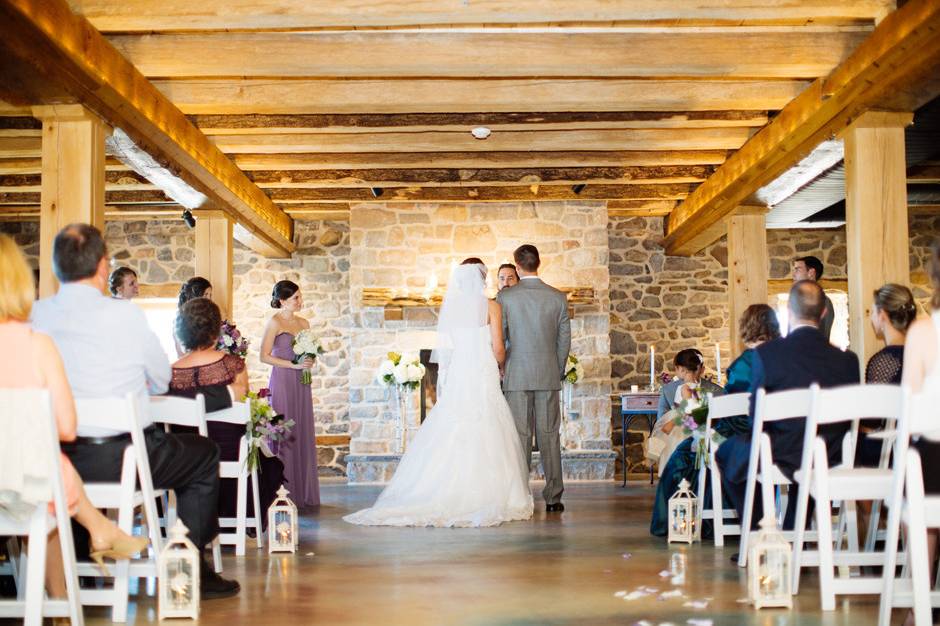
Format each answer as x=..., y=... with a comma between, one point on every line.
x=748, y=266
x=875, y=218
x=214, y=245
x=73, y=177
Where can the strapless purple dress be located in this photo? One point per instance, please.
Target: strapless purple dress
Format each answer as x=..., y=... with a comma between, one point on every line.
x=299, y=452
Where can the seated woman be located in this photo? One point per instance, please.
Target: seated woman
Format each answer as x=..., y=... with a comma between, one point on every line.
x=34, y=362
x=221, y=378
x=758, y=324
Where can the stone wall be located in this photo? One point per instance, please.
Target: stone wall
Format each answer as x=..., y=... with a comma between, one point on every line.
x=401, y=246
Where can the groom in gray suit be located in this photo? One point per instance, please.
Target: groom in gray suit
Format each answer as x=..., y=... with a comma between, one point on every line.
x=537, y=329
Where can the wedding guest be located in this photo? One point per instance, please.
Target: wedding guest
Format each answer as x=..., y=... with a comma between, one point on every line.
x=33, y=362
x=508, y=276
x=758, y=325
x=84, y=323
x=123, y=283
x=195, y=287
x=289, y=396
x=811, y=268
x=221, y=378
x=796, y=361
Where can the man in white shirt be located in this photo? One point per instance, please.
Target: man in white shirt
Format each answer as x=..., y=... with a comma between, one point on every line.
x=108, y=350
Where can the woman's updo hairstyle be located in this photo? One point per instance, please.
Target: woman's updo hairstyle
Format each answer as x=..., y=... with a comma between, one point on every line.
x=283, y=289
x=198, y=324
x=897, y=302
x=195, y=287
x=690, y=358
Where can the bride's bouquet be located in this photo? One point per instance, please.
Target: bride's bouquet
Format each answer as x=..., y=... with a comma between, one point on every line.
x=265, y=428
x=232, y=341
x=574, y=371
x=404, y=370
x=306, y=345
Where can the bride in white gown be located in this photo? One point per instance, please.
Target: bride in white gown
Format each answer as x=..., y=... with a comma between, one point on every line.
x=464, y=466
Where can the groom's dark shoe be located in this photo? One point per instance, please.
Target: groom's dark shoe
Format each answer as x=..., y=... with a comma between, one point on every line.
x=554, y=508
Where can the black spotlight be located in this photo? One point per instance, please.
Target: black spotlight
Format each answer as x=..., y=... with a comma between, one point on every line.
x=189, y=219
x=577, y=189
x=376, y=191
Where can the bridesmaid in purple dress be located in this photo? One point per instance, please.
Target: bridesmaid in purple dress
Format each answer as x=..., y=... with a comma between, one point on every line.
x=289, y=397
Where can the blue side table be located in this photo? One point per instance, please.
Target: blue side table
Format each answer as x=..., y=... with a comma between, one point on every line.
x=633, y=405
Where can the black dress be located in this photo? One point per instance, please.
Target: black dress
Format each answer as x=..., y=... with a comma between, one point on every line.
x=884, y=367
x=212, y=382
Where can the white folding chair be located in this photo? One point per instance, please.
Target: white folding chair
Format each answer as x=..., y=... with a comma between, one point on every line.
x=31, y=604
x=913, y=589
x=845, y=484
x=189, y=413
x=768, y=408
x=239, y=414
x=124, y=497
x=719, y=408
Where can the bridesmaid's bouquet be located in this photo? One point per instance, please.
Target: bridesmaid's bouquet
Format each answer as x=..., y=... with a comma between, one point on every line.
x=404, y=370
x=574, y=371
x=692, y=415
x=306, y=345
x=232, y=341
x=265, y=428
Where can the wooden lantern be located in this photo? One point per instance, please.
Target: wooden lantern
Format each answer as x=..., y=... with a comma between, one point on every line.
x=769, y=564
x=683, y=509
x=178, y=575
x=282, y=524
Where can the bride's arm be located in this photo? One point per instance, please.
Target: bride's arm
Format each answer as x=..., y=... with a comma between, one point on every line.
x=496, y=332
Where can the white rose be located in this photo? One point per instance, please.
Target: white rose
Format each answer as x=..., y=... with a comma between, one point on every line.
x=228, y=341
x=401, y=373
x=410, y=358
x=415, y=372
x=298, y=348
x=386, y=368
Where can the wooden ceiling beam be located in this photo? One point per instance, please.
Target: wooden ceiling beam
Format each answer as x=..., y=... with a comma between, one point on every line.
x=423, y=95
x=898, y=50
x=532, y=192
x=31, y=165
x=729, y=53
x=118, y=196
x=47, y=53
x=640, y=208
x=114, y=181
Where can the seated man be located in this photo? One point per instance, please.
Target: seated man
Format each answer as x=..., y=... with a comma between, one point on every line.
x=796, y=361
x=108, y=350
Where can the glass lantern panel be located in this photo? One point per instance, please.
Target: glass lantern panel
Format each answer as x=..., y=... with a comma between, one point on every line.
x=179, y=577
x=772, y=573
x=283, y=527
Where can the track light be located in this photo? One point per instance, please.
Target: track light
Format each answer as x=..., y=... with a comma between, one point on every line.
x=577, y=189
x=376, y=191
x=189, y=219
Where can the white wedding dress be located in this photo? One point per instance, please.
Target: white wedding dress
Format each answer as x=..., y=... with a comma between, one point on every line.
x=464, y=466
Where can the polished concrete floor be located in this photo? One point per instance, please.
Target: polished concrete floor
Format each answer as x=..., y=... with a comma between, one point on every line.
x=555, y=570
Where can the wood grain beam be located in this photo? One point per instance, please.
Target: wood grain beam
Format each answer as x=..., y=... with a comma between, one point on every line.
x=28, y=165
x=22, y=147
x=483, y=193
x=111, y=197
x=371, y=123
x=901, y=46
x=640, y=208
x=512, y=141
x=423, y=95
x=185, y=15
x=507, y=53
x=114, y=181
x=47, y=53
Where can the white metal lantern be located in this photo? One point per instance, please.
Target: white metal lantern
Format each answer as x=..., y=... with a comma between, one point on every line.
x=282, y=524
x=178, y=567
x=683, y=511
x=768, y=564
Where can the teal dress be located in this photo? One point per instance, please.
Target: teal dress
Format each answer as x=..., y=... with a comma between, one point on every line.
x=681, y=465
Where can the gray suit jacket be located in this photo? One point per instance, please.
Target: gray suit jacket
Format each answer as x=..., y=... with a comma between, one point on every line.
x=536, y=325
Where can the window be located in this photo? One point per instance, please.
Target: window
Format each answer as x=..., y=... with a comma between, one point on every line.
x=161, y=314
x=839, y=336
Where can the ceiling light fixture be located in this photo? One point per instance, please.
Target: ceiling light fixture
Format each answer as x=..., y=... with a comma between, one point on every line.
x=376, y=191
x=481, y=132
x=577, y=189
x=189, y=219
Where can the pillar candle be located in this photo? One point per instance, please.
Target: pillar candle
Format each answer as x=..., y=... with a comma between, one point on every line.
x=721, y=375
x=652, y=368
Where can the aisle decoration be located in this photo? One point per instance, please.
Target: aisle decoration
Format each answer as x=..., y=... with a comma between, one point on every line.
x=282, y=524
x=403, y=373
x=178, y=576
x=683, y=511
x=265, y=428
x=232, y=341
x=305, y=345
x=768, y=567
x=573, y=374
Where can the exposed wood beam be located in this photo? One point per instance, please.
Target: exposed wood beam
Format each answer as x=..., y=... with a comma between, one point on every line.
x=372, y=123
x=111, y=197
x=503, y=54
x=483, y=193
x=29, y=147
x=381, y=95
x=474, y=160
x=114, y=181
x=901, y=46
x=29, y=165
x=640, y=208
x=924, y=174
x=48, y=53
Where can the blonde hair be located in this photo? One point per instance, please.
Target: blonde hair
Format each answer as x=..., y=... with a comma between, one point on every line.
x=17, y=289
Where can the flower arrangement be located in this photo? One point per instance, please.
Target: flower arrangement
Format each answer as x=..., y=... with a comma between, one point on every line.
x=404, y=370
x=574, y=371
x=232, y=341
x=306, y=345
x=692, y=415
x=264, y=427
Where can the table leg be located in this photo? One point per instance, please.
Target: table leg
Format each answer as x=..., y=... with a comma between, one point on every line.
x=652, y=423
x=624, y=425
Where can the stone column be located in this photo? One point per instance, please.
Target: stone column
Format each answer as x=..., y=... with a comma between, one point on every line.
x=214, y=245
x=748, y=266
x=877, y=240
x=72, y=177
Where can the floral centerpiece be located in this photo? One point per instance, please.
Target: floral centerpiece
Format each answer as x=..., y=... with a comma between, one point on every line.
x=265, y=428
x=574, y=371
x=306, y=345
x=402, y=369
x=232, y=341
x=692, y=416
